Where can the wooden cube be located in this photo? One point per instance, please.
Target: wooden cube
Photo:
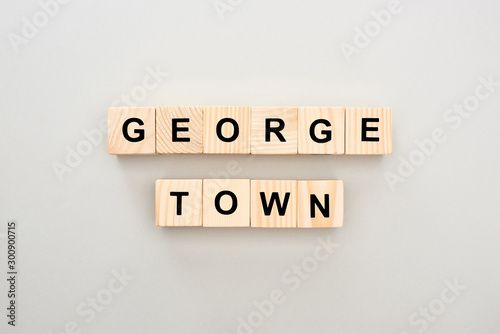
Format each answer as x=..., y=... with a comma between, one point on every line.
x=321, y=130
x=179, y=202
x=226, y=202
x=274, y=130
x=131, y=131
x=226, y=130
x=179, y=130
x=368, y=131
x=320, y=203
x=273, y=203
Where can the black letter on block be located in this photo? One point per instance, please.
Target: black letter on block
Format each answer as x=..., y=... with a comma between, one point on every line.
x=235, y=133
x=176, y=129
x=365, y=129
x=327, y=133
x=140, y=132
x=233, y=206
x=325, y=210
x=275, y=197
x=275, y=130
x=179, y=195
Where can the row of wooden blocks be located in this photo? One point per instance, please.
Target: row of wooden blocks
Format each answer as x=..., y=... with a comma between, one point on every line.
x=249, y=203
x=245, y=130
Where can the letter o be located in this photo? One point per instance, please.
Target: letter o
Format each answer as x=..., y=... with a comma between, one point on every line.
x=234, y=204
x=236, y=130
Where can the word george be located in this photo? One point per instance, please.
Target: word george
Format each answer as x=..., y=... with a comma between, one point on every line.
x=245, y=130
x=244, y=203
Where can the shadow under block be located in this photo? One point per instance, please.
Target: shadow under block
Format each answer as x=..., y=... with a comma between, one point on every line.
x=321, y=130
x=226, y=130
x=179, y=130
x=320, y=203
x=273, y=203
x=368, y=131
x=179, y=202
x=131, y=131
x=274, y=130
x=226, y=202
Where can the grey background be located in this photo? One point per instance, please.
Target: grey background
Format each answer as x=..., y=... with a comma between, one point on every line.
x=398, y=246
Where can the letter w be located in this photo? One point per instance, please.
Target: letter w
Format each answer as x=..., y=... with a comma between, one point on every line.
x=275, y=197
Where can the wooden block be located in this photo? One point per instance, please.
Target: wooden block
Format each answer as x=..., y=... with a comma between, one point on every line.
x=131, y=131
x=321, y=130
x=320, y=203
x=226, y=202
x=179, y=130
x=226, y=130
x=368, y=131
x=179, y=202
x=274, y=130
x=273, y=203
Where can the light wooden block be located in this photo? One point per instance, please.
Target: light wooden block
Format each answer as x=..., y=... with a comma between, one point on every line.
x=131, y=131
x=219, y=134
x=284, y=141
x=368, y=131
x=179, y=202
x=267, y=192
x=321, y=130
x=226, y=203
x=179, y=130
x=320, y=203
